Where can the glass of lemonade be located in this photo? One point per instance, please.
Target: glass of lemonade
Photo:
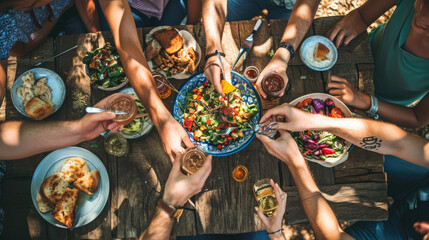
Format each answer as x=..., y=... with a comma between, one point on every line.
x=192, y=160
x=125, y=103
x=115, y=144
x=264, y=195
x=161, y=83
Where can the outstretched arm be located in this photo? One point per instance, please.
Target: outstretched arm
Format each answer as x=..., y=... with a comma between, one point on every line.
x=381, y=137
x=317, y=209
x=299, y=22
x=3, y=79
x=121, y=22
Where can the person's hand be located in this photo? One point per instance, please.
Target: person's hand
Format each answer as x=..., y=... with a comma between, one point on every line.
x=172, y=135
x=277, y=65
x=93, y=124
x=274, y=223
x=347, y=28
x=283, y=148
x=296, y=119
x=212, y=72
x=423, y=229
x=343, y=90
x=179, y=188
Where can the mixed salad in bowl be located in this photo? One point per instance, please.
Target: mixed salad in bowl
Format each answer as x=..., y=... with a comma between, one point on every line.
x=210, y=115
x=322, y=146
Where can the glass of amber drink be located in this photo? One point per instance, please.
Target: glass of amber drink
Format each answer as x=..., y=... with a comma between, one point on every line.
x=264, y=194
x=240, y=173
x=162, y=83
x=273, y=85
x=115, y=144
x=192, y=160
x=125, y=103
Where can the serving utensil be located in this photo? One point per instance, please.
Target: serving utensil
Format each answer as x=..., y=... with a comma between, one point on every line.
x=229, y=129
x=99, y=110
x=247, y=44
x=59, y=54
x=227, y=87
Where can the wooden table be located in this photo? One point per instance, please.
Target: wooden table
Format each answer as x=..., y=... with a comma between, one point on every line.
x=355, y=189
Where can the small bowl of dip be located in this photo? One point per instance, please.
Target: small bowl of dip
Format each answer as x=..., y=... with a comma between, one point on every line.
x=251, y=73
x=308, y=53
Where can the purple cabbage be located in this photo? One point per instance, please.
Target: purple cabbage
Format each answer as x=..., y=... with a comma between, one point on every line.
x=311, y=146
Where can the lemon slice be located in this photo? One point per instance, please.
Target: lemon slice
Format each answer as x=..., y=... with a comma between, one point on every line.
x=226, y=86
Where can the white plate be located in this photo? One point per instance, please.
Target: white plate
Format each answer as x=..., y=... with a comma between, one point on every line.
x=188, y=41
x=325, y=41
x=147, y=125
x=52, y=164
x=329, y=162
x=53, y=81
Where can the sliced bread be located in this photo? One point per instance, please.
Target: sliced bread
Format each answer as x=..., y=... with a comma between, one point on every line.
x=88, y=183
x=170, y=40
x=74, y=168
x=152, y=49
x=65, y=208
x=53, y=188
x=38, y=109
x=42, y=204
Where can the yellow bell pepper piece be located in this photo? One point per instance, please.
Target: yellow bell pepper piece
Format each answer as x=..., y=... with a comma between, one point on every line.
x=226, y=86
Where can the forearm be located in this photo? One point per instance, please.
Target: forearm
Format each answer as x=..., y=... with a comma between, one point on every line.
x=319, y=213
x=119, y=17
x=160, y=227
x=384, y=138
x=23, y=139
x=371, y=10
x=89, y=15
x=214, y=14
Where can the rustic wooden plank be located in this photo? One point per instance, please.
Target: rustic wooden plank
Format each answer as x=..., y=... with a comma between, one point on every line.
x=347, y=71
x=366, y=83
x=351, y=202
x=358, y=51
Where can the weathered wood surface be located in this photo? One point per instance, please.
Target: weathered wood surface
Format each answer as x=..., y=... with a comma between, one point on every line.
x=356, y=188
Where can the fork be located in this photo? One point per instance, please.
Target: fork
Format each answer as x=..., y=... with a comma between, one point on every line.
x=247, y=44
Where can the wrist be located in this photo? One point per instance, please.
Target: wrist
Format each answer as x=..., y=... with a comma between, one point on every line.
x=77, y=129
x=283, y=55
x=212, y=47
x=365, y=101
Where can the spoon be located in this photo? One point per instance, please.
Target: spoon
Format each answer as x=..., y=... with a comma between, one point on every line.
x=98, y=110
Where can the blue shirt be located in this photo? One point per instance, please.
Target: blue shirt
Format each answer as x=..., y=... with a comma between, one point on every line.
x=399, y=76
x=17, y=25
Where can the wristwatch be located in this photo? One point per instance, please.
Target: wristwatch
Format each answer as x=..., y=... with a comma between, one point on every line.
x=172, y=211
x=288, y=47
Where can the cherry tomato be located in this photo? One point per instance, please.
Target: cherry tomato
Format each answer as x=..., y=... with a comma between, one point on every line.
x=195, y=138
x=187, y=123
x=336, y=113
x=198, y=97
x=307, y=102
x=219, y=146
x=234, y=124
x=208, y=122
x=299, y=105
x=205, y=84
x=234, y=131
x=229, y=138
x=236, y=112
x=226, y=143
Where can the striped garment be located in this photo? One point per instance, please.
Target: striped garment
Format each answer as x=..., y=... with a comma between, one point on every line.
x=150, y=8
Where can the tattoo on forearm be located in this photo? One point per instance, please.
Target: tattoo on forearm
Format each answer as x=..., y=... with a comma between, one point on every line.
x=371, y=143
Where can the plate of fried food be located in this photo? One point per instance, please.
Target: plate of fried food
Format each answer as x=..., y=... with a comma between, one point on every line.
x=174, y=52
x=38, y=93
x=70, y=187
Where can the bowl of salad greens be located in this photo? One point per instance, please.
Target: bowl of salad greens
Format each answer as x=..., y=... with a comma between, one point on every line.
x=321, y=146
x=139, y=127
x=104, y=68
x=205, y=115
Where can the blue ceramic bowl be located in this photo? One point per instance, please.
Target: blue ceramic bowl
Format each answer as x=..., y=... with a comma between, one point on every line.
x=250, y=96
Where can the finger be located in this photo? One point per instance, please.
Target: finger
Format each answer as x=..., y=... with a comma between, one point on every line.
x=282, y=126
x=340, y=38
x=175, y=170
x=333, y=32
x=336, y=92
x=103, y=116
x=276, y=189
x=264, y=139
x=227, y=69
x=336, y=78
x=263, y=218
x=334, y=85
x=259, y=86
x=348, y=39
x=280, y=110
x=188, y=143
x=204, y=172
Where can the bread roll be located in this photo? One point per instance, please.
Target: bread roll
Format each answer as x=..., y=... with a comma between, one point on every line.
x=38, y=109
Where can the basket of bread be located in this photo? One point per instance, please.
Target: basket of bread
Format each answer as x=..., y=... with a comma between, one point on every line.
x=38, y=93
x=174, y=52
x=68, y=185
